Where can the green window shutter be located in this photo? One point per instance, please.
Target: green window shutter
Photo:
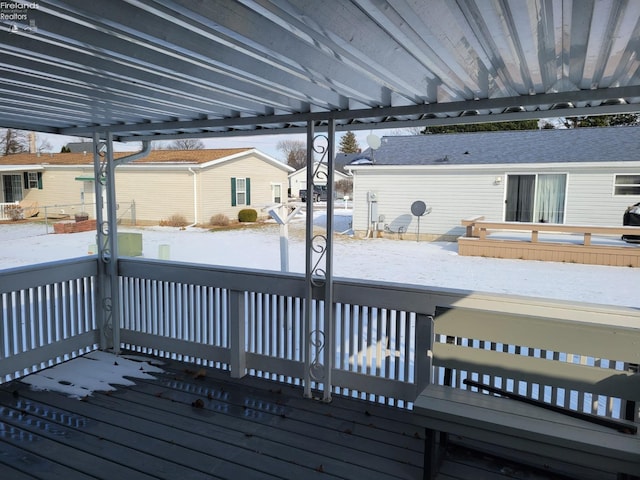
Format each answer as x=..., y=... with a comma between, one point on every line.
x=248, y=188
x=25, y=178
x=233, y=191
x=39, y=180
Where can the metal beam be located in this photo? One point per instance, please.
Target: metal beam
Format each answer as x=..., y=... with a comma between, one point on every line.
x=388, y=115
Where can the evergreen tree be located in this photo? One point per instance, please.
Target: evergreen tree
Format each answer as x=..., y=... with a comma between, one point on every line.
x=484, y=127
x=349, y=144
x=603, y=120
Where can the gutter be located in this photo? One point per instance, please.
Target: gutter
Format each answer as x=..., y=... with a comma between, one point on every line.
x=146, y=150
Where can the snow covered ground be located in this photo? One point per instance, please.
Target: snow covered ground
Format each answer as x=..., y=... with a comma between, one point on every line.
x=407, y=261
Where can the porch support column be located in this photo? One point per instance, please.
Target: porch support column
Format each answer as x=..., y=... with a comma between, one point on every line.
x=108, y=304
x=108, y=284
x=319, y=312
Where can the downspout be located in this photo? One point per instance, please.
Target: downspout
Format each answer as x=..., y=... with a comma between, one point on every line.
x=195, y=199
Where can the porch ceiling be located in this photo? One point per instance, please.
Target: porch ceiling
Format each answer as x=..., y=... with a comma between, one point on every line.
x=144, y=69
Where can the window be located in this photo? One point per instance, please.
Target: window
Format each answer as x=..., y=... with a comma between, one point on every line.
x=276, y=190
x=32, y=180
x=240, y=191
x=627, y=185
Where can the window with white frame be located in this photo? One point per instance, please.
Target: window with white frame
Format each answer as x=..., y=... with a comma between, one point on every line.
x=627, y=185
x=276, y=191
x=32, y=180
x=241, y=191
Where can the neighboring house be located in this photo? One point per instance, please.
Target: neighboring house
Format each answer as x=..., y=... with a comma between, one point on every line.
x=583, y=176
x=196, y=184
x=298, y=179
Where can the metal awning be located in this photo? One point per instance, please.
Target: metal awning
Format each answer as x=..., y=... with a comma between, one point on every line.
x=144, y=69
x=20, y=168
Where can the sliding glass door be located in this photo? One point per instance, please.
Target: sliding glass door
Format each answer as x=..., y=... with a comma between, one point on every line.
x=550, y=198
x=520, y=198
x=535, y=198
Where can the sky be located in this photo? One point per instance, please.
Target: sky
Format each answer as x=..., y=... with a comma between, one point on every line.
x=267, y=144
x=435, y=264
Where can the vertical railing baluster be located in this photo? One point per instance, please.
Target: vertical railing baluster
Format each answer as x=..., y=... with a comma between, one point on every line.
x=237, y=313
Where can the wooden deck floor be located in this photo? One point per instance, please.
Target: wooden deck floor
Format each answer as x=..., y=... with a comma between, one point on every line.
x=187, y=424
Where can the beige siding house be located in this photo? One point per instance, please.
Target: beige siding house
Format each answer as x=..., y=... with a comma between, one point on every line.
x=196, y=184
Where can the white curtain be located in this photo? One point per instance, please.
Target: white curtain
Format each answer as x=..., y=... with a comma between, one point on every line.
x=550, y=198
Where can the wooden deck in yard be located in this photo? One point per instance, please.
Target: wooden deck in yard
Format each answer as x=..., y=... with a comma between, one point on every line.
x=188, y=424
x=550, y=242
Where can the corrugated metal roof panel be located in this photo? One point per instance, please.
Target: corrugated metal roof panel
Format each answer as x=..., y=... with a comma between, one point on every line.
x=148, y=68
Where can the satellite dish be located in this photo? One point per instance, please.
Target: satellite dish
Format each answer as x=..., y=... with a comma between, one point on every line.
x=418, y=208
x=373, y=141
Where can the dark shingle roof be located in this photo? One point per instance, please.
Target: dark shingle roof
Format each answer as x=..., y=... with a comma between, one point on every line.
x=532, y=146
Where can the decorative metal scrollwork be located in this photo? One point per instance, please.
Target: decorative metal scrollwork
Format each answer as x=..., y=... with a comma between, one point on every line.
x=102, y=178
x=319, y=246
x=107, y=331
x=317, y=369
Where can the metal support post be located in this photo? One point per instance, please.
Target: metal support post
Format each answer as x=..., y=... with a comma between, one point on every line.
x=108, y=313
x=319, y=318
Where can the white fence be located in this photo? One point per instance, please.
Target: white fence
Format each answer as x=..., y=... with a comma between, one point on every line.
x=253, y=321
x=6, y=210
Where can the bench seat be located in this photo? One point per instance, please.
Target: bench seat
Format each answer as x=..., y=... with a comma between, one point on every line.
x=528, y=428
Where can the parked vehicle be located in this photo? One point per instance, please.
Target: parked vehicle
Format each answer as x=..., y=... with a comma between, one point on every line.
x=631, y=217
x=319, y=193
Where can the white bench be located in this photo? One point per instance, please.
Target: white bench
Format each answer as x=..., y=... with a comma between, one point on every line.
x=554, y=439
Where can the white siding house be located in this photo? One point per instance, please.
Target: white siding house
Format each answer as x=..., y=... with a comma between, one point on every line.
x=580, y=176
x=298, y=179
x=195, y=184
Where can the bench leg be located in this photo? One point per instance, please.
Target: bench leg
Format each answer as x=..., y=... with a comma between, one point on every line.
x=430, y=454
x=433, y=452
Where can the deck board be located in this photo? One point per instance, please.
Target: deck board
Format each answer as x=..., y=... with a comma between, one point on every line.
x=189, y=423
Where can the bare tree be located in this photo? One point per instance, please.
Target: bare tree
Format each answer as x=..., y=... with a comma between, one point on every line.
x=186, y=144
x=295, y=151
x=13, y=141
x=42, y=144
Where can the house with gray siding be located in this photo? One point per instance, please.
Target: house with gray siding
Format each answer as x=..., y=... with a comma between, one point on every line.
x=585, y=176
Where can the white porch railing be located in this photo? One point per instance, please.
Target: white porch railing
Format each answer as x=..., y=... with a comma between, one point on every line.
x=5, y=210
x=46, y=315
x=251, y=322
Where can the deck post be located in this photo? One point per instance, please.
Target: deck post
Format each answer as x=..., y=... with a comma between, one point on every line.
x=425, y=334
x=318, y=318
x=107, y=291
